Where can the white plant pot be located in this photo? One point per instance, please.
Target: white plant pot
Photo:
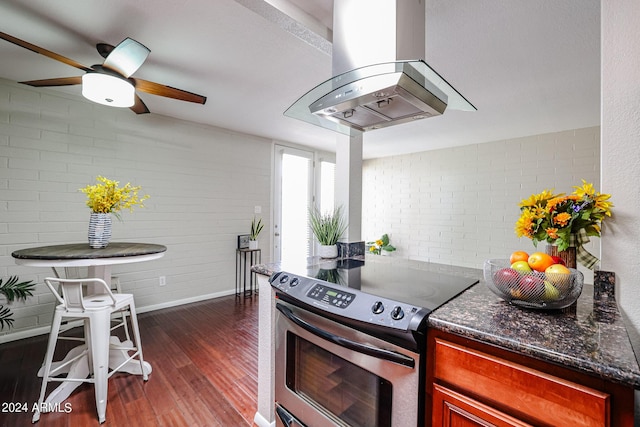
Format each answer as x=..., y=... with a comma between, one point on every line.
x=328, y=251
x=253, y=244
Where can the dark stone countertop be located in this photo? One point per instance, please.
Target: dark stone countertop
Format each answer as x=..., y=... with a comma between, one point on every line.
x=592, y=338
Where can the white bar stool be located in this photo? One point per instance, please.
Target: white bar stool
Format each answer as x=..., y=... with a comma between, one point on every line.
x=120, y=318
x=95, y=310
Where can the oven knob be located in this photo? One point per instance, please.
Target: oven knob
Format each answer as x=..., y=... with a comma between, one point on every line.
x=377, y=307
x=294, y=282
x=397, y=313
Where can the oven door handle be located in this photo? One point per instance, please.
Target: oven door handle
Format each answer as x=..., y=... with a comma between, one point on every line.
x=287, y=419
x=376, y=352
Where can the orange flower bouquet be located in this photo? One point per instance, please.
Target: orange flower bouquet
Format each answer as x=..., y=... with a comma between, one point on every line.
x=564, y=220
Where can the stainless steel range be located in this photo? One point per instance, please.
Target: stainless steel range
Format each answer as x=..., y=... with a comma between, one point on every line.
x=351, y=342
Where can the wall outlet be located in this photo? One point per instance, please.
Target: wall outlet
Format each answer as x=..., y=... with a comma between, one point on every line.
x=162, y=280
x=257, y=209
x=115, y=284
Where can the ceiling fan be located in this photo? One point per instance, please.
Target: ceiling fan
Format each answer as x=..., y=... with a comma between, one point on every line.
x=110, y=83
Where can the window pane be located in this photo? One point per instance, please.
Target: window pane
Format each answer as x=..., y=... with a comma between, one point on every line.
x=327, y=186
x=295, y=207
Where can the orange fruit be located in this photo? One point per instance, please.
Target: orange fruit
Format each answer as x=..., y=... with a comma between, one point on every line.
x=539, y=261
x=519, y=256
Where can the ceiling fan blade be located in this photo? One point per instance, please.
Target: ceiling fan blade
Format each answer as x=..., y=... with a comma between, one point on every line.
x=139, y=107
x=42, y=51
x=60, y=81
x=127, y=57
x=168, y=91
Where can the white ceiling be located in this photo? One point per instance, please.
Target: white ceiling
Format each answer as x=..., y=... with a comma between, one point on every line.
x=529, y=67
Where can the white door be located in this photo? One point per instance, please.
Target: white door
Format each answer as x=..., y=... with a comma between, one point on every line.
x=292, y=197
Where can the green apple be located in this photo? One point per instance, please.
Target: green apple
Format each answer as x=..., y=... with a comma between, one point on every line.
x=551, y=293
x=521, y=267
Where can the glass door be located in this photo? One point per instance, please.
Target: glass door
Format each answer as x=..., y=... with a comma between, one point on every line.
x=298, y=185
x=293, y=196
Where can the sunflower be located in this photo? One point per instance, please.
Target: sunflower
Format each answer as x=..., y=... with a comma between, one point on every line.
x=537, y=199
x=586, y=190
x=524, y=225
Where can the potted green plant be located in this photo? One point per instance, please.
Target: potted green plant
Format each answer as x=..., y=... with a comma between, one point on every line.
x=327, y=228
x=256, y=228
x=13, y=290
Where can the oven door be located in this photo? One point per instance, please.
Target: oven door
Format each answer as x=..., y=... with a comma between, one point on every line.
x=328, y=374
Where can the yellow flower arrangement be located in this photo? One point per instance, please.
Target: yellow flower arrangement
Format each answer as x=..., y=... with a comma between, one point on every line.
x=108, y=197
x=560, y=219
x=382, y=244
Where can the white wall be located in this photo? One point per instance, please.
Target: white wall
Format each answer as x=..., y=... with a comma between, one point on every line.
x=458, y=206
x=204, y=183
x=621, y=152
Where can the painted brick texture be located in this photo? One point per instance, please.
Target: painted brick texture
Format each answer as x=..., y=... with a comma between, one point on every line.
x=204, y=183
x=458, y=206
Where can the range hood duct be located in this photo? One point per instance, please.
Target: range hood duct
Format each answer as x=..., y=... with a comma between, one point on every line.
x=378, y=80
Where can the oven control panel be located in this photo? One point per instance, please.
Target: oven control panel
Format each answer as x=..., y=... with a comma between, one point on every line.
x=335, y=297
x=348, y=302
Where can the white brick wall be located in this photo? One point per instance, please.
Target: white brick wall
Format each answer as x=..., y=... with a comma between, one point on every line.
x=204, y=183
x=459, y=206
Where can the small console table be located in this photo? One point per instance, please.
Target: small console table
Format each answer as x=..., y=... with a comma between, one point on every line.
x=245, y=258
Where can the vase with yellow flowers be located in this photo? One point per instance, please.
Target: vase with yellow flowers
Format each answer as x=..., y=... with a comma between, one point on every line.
x=104, y=199
x=565, y=221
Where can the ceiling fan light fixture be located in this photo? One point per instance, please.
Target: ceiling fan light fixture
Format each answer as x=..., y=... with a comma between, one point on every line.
x=108, y=90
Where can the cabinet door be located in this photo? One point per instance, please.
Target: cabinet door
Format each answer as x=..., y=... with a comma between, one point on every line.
x=533, y=395
x=451, y=409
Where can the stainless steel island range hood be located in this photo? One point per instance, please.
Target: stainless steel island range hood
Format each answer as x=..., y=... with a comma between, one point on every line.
x=378, y=82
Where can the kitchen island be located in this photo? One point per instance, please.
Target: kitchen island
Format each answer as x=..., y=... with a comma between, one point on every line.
x=493, y=361
x=585, y=348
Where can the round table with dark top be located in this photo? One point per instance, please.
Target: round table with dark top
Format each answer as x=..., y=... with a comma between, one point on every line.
x=115, y=253
x=99, y=262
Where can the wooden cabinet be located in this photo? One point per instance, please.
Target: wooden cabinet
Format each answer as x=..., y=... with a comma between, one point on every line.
x=455, y=409
x=470, y=383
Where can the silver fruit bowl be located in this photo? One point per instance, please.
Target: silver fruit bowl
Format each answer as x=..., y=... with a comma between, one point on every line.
x=534, y=289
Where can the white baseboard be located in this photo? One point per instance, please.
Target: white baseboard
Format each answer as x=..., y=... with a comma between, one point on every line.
x=42, y=330
x=262, y=421
x=198, y=298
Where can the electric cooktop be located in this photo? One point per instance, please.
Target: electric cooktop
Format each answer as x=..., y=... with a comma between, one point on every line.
x=396, y=279
x=387, y=298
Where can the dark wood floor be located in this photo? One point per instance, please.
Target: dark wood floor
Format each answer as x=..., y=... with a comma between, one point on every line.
x=204, y=358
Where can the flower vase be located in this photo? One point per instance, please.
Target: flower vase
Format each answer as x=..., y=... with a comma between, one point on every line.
x=568, y=255
x=253, y=244
x=569, y=258
x=99, y=230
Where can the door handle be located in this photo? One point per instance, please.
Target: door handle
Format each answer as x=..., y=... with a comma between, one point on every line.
x=277, y=234
x=369, y=350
